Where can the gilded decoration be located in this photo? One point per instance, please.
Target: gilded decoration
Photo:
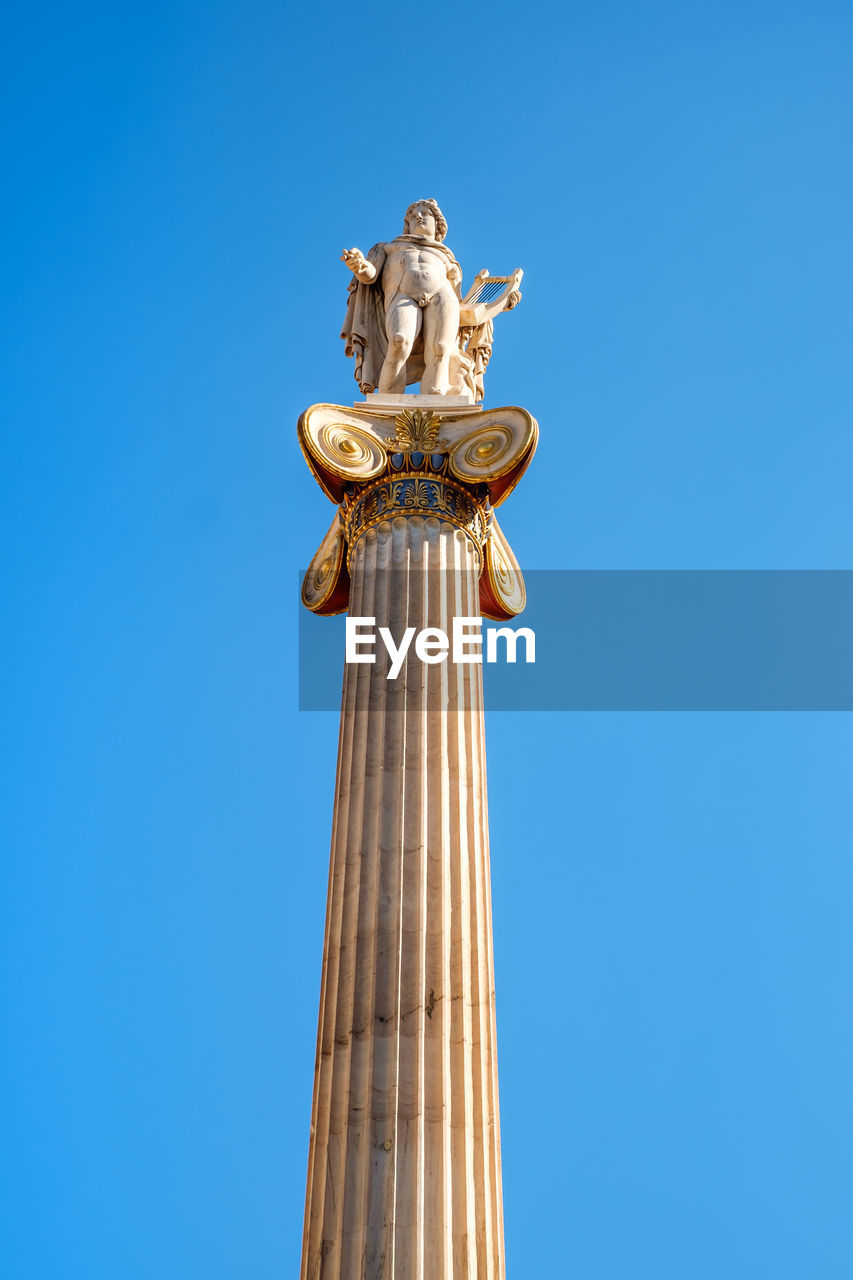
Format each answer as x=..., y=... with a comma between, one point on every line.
x=325, y=587
x=417, y=429
x=415, y=483
x=413, y=495
x=502, y=591
x=381, y=463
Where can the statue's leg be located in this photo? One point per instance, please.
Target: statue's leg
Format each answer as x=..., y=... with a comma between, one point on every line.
x=441, y=336
x=402, y=322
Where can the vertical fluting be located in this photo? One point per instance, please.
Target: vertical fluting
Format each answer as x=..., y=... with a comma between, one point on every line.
x=404, y=1161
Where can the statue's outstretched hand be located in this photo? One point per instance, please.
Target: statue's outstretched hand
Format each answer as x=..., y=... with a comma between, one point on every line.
x=354, y=259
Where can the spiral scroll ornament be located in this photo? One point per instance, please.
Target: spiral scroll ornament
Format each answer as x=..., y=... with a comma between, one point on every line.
x=504, y=579
x=349, y=452
x=322, y=582
x=491, y=450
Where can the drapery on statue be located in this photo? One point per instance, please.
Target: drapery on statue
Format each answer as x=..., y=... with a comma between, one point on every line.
x=406, y=319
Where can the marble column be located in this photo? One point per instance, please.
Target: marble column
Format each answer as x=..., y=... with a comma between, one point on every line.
x=404, y=1178
x=404, y=1175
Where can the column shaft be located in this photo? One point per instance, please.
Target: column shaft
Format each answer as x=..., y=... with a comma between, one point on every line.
x=404, y=1162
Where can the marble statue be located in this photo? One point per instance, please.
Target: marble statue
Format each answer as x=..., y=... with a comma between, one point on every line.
x=406, y=319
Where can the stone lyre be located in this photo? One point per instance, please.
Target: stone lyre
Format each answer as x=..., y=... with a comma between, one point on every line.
x=404, y=1170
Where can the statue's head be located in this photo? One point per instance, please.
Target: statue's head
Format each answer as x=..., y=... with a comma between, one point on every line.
x=417, y=220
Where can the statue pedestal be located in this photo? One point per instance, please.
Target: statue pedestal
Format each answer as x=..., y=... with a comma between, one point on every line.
x=409, y=400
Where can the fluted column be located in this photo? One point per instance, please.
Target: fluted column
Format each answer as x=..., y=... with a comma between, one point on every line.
x=404, y=1177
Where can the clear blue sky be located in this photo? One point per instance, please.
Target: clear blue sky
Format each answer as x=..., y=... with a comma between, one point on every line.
x=672, y=892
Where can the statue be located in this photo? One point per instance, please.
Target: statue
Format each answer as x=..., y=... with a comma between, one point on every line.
x=406, y=320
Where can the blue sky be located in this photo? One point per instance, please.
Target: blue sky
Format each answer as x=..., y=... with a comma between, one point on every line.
x=672, y=892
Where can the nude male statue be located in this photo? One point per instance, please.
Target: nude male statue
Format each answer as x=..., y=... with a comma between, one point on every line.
x=402, y=320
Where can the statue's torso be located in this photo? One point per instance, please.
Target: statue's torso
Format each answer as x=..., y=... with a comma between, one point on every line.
x=416, y=271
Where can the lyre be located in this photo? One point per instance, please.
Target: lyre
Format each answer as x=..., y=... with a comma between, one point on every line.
x=488, y=297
